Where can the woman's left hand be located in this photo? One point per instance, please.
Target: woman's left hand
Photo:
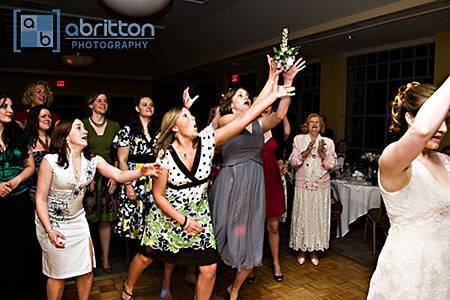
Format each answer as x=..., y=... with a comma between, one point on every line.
x=187, y=100
x=153, y=169
x=112, y=185
x=290, y=74
x=322, y=149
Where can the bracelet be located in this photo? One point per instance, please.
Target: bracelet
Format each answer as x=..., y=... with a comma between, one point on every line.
x=186, y=223
x=49, y=230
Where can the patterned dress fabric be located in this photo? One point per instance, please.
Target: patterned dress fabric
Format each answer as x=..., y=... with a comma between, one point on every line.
x=275, y=206
x=415, y=260
x=238, y=201
x=187, y=192
x=310, y=222
x=100, y=205
x=132, y=213
x=66, y=212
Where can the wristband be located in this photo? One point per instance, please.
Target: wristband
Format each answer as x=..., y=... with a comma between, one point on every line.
x=186, y=223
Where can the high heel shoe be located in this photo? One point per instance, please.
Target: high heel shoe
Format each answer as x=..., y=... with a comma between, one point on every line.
x=277, y=278
x=251, y=279
x=314, y=259
x=165, y=294
x=124, y=291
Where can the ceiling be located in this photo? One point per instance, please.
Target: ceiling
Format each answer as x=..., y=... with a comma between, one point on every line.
x=190, y=35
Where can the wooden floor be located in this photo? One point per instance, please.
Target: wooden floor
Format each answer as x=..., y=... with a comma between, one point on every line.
x=335, y=278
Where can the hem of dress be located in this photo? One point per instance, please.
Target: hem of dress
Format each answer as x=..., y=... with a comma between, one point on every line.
x=75, y=274
x=308, y=249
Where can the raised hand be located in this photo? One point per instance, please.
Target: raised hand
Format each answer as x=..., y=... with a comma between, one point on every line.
x=290, y=74
x=187, y=100
x=273, y=70
x=281, y=91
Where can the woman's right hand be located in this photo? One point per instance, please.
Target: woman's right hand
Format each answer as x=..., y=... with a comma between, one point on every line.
x=56, y=238
x=131, y=194
x=194, y=227
x=308, y=149
x=5, y=189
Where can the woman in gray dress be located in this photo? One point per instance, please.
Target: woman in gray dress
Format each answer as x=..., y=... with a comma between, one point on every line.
x=237, y=196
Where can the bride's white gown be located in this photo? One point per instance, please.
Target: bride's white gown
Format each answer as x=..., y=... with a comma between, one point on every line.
x=415, y=260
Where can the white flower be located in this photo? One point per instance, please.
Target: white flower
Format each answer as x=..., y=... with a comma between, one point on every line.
x=285, y=56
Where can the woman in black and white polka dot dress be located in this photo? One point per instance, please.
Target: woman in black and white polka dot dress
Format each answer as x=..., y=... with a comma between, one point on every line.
x=179, y=228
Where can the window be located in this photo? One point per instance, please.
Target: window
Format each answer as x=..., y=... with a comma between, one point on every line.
x=372, y=82
x=307, y=96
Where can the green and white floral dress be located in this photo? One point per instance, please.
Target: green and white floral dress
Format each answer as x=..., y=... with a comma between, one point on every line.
x=187, y=192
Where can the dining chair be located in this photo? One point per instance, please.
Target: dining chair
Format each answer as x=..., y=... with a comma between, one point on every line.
x=336, y=211
x=376, y=218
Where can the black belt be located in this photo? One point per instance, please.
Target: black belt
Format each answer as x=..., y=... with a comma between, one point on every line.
x=141, y=158
x=187, y=185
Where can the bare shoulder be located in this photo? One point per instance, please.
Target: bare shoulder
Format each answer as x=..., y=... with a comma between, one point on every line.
x=224, y=120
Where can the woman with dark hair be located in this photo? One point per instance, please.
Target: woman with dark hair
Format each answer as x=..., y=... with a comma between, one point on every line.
x=16, y=210
x=135, y=144
x=61, y=225
x=238, y=195
x=414, y=179
x=179, y=228
x=39, y=127
x=36, y=93
x=100, y=204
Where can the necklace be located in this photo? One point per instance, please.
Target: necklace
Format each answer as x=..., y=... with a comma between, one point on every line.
x=98, y=124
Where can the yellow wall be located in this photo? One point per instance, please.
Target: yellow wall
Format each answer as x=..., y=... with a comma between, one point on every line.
x=442, y=65
x=333, y=89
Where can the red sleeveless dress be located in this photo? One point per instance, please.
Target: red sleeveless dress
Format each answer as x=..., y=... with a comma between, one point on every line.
x=275, y=206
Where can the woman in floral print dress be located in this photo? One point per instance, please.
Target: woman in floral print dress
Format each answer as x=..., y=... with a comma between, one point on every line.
x=136, y=143
x=179, y=228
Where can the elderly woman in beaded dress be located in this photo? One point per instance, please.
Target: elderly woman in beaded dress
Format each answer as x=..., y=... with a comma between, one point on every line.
x=313, y=158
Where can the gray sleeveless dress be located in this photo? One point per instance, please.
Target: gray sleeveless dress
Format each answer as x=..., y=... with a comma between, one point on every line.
x=237, y=201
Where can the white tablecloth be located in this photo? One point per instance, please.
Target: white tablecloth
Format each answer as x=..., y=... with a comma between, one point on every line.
x=356, y=200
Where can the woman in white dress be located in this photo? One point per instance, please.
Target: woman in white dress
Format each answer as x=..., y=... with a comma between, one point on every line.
x=415, y=184
x=61, y=225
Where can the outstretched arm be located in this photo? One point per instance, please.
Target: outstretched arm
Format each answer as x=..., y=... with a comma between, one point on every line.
x=271, y=120
x=235, y=126
x=273, y=78
x=397, y=157
x=118, y=175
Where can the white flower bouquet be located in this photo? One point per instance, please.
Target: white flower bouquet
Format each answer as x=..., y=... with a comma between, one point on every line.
x=370, y=157
x=285, y=55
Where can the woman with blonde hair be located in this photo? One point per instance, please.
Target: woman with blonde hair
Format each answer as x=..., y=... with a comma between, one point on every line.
x=313, y=157
x=179, y=228
x=414, y=179
x=36, y=93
